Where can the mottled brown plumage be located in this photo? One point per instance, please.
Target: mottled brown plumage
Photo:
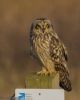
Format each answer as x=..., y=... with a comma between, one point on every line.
x=49, y=49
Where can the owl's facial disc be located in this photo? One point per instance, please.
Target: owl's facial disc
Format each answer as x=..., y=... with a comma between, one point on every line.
x=42, y=27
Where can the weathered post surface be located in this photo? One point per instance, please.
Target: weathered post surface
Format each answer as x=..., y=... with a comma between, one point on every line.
x=42, y=81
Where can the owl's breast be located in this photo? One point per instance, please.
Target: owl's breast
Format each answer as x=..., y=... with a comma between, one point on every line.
x=42, y=49
x=41, y=45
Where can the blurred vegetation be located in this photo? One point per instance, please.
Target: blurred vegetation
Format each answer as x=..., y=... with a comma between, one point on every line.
x=16, y=17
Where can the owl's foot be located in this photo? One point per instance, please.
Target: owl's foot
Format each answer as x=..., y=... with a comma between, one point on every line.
x=43, y=72
x=46, y=71
x=51, y=71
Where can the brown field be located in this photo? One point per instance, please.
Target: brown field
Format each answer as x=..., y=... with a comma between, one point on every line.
x=16, y=17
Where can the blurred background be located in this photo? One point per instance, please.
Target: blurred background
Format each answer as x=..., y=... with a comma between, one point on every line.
x=16, y=17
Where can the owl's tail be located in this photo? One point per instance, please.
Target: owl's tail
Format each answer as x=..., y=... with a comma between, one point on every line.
x=65, y=82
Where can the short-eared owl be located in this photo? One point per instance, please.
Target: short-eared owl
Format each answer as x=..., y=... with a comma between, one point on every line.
x=49, y=49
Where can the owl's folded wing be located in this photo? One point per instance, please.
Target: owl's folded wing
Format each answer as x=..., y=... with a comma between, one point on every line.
x=65, y=53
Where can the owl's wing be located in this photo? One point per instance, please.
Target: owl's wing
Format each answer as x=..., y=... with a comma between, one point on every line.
x=32, y=52
x=65, y=53
x=59, y=56
x=57, y=49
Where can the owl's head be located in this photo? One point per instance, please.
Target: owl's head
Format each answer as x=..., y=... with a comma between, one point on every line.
x=41, y=26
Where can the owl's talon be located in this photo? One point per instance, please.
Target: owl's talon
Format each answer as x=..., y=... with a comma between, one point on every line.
x=42, y=73
x=39, y=73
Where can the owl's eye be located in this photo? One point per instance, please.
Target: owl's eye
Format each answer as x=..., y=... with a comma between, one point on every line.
x=47, y=26
x=37, y=26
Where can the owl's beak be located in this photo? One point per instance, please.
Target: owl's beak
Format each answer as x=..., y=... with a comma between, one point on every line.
x=43, y=29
